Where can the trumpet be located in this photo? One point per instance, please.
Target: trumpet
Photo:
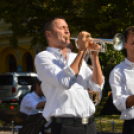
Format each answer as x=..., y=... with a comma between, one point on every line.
x=118, y=43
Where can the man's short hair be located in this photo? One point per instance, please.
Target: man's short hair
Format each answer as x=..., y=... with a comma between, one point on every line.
x=47, y=26
x=126, y=33
x=33, y=87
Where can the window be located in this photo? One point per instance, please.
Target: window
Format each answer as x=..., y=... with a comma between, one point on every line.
x=26, y=80
x=6, y=80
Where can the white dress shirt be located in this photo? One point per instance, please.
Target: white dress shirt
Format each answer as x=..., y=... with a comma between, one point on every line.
x=122, y=83
x=29, y=103
x=66, y=94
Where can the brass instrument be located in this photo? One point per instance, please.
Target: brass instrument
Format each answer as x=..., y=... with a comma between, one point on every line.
x=118, y=42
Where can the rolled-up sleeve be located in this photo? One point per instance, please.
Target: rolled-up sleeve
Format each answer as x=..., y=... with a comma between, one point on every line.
x=49, y=70
x=118, y=90
x=91, y=84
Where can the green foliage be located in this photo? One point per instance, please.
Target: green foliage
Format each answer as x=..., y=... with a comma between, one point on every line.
x=27, y=17
x=103, y=19
x=108, y=61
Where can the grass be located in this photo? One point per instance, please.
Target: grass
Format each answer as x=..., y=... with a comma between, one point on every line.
x=106, y=120
x=8, y=106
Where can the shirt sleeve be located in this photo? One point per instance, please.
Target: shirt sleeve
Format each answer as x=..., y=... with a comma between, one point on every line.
x=91, y=84
x=29, y=102
x=118, y=90
x=50, y=70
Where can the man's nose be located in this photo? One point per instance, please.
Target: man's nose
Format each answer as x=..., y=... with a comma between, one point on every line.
x=67, y=30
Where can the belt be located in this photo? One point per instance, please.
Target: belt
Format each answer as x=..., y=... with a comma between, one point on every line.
x=73, y=120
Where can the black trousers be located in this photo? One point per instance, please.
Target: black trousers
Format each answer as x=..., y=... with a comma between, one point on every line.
x=33, y=124
x=73, y=128
x=128, y=127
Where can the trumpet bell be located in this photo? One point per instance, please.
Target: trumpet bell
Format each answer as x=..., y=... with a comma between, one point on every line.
x=118, y=41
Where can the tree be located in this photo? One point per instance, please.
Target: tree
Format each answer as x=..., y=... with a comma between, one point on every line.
x=102, y=19
x=108, y=61
x=27, y=17
x=106, y=18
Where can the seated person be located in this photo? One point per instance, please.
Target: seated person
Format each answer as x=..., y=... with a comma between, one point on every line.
x=33, y=102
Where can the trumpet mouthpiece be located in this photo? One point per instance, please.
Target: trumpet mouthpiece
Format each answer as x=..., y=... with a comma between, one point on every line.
x=67, y=37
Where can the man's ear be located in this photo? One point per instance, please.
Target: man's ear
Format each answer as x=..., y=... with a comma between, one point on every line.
x=125, y=45
x=48, y=34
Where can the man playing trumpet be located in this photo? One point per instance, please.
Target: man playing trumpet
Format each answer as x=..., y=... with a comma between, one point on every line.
x=66, y=79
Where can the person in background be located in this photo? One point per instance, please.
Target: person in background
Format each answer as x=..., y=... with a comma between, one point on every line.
x=33, y=102
x=122, y=84
x=66, y=79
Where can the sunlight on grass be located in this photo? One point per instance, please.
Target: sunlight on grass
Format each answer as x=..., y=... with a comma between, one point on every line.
x=107, y=123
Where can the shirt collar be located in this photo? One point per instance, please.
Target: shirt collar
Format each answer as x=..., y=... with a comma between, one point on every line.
x=57, y=50
x=128, y=62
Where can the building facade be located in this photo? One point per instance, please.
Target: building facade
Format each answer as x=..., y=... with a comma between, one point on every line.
x=20, y=59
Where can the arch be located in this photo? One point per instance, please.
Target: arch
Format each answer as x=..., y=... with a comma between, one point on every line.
x=10, y=63
x=27, y=61
x=20, y=54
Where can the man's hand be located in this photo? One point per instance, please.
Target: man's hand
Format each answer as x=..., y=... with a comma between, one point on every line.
x=84, y=38
x=94, y=46
x=41, y=105
x=83, y=41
